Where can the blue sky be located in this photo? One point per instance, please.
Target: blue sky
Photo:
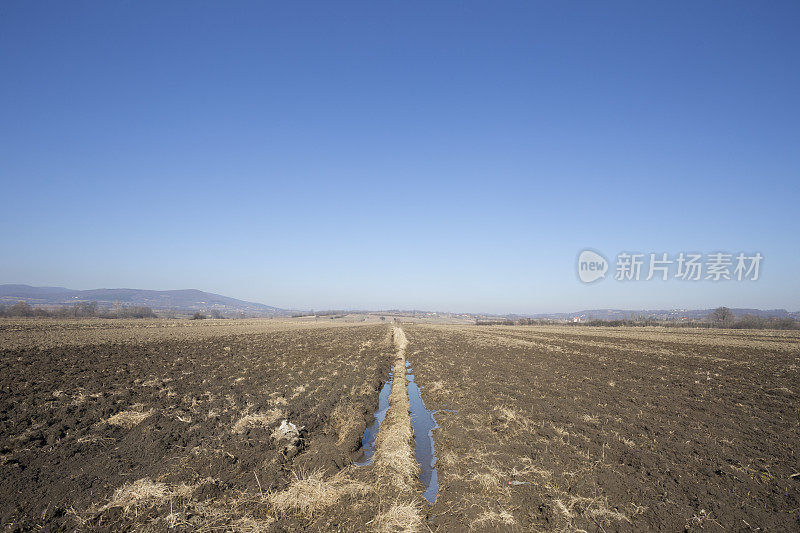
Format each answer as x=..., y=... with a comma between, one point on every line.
x=436, y=155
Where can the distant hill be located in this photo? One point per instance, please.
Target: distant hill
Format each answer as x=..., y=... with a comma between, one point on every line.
x=181, y=301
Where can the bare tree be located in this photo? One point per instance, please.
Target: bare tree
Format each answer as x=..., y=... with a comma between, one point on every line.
x=21, y=309
x=85, y=309
x=722, y=316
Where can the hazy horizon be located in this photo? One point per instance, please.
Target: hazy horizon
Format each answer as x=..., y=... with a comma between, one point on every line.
x=452, y=157
x=384, y=308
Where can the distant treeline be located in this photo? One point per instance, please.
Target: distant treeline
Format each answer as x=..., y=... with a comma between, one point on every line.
x=720, y=318
x=78, y=309
x=744, y=322
x=517, y=322
x=332, y=314
x=214, y=313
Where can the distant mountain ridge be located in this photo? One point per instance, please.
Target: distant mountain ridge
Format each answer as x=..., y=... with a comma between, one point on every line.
x=184, y=300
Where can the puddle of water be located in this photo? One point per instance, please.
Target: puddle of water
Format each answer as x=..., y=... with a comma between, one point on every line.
x=368, y=440
x=423, y=423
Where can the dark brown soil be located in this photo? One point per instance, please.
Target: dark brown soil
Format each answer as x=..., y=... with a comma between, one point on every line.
x=610, y=430
x=62, y=460
x=559, y=429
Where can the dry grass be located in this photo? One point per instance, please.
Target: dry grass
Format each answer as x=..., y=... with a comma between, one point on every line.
x=493, y=517
x=345, y=418
x=596, y=509
x=253, y=420
x=130, y=418
x=435, y=386
x=489, y=481
x=252, y=525
x=400, y=341
x=395, y=462
x=144, y=493
x=394, y=445
x=402, y=516
x=309, y=493
x=239, y=512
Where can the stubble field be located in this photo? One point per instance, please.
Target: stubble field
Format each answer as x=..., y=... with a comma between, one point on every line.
x=255, y=425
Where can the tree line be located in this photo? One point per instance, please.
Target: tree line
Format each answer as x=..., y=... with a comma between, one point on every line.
x=722, y=317
x=78, y=309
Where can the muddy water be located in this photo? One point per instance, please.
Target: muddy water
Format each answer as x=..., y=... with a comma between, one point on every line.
x=368, y=440
x=423, y=423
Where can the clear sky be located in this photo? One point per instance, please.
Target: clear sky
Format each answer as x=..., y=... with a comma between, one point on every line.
x=433, y=155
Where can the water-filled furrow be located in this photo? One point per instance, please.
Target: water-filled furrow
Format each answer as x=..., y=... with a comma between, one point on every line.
x=368, y=440
x=423, y=424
